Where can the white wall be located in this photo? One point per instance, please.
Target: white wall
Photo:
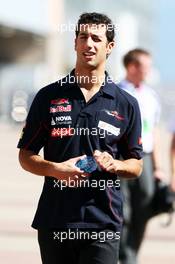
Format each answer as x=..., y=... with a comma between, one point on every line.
x=28, y=15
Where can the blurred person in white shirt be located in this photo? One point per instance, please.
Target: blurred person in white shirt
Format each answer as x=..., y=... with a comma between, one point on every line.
x=138, y=194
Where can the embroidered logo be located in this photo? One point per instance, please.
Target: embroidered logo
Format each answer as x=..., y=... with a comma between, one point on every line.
x=60, y=101
x=115, y=114
x=58, y=120
x=60, y=105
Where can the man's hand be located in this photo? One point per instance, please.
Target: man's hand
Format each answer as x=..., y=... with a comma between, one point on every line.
x=67, y=170
x=106, y=161
x=130, y=168
x=61, y=171
x=159, y=174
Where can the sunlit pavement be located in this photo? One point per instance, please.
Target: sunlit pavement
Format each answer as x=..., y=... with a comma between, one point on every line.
x=19, y=193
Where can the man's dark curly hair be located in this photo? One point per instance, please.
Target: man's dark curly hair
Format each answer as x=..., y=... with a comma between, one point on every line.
x=96, y=18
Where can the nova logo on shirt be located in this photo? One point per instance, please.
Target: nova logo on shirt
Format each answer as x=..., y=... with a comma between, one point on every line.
x=61, y=120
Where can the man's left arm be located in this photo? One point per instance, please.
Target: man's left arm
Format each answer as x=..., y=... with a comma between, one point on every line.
x=129, y=147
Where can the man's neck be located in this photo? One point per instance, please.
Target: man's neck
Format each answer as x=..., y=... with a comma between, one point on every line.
x=137, y=84
x=90, y=79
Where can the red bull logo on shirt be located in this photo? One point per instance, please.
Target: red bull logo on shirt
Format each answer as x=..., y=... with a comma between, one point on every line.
x=60, y=105
x=60, y=108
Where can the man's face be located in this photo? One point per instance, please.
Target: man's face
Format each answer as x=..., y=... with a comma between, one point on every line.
x=141, y=69
x=92, y=46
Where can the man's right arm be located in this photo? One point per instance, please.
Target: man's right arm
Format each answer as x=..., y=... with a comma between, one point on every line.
x=35, y=164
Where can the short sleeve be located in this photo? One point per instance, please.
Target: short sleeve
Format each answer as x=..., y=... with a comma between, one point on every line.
x=130, y=145
x=35, y=132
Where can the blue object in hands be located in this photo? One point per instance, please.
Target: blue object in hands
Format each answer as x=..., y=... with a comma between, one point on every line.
x=87, y=164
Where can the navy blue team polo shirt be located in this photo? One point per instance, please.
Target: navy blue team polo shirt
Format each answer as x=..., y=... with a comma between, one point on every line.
x=65, y=126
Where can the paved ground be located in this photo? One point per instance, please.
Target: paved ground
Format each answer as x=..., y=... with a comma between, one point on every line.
x=19, y=193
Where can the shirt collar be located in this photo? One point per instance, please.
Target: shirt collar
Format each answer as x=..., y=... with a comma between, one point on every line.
x=108, y=87
x=127, y=83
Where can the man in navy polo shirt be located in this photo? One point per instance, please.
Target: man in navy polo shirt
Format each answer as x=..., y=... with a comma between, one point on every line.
x=82, y=116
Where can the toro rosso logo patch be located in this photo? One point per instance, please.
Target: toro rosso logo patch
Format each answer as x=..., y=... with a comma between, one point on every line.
x=115, y=114
x=60, y=105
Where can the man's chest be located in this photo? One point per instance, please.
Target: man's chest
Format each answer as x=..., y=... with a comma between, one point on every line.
x=68, y=116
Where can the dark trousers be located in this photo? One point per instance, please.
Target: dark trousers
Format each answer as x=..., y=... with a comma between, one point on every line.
x=77, y=251
x=137, y=207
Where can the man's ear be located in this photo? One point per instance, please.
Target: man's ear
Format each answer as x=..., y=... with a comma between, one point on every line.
x=110, y=46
